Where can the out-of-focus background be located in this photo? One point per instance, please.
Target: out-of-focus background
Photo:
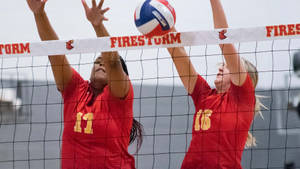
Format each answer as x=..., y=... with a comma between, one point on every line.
x=31, y=107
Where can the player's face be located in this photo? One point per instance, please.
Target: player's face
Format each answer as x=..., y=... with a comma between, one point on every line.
x=98, y=75
x=223, y=79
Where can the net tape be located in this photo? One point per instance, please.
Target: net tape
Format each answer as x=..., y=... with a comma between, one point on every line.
x=133, y=42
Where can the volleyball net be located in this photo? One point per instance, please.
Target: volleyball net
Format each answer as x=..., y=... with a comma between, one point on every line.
x=31, y=119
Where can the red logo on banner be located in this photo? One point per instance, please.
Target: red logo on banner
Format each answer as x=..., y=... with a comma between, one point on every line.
x=15, y=48
x=69, y=45
x=130, y=41
x=222, y=35
x=283, y=30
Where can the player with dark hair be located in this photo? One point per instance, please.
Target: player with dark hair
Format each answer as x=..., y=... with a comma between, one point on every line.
x=223, y=115
x=98, y=114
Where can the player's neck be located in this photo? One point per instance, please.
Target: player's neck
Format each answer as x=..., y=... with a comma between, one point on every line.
x=222, y=89
x=97, y=89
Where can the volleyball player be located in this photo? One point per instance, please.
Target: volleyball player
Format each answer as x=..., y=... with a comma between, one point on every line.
x=223, y=115
x=98, y=115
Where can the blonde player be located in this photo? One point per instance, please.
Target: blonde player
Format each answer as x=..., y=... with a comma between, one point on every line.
x=223, y=115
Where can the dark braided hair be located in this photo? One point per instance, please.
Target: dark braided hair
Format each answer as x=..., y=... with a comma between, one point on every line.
x=137, y=130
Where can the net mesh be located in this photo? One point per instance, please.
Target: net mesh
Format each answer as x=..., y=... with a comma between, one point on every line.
x=31, y=119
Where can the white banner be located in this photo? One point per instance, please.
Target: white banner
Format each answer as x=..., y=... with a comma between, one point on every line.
x=177, y=39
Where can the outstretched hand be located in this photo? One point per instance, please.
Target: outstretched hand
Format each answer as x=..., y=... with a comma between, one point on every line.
x=95, y=14
x=36, y=6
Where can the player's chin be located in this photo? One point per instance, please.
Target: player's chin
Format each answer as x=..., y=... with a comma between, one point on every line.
x=100, y=76
x=98, y=80
x=219, y=82
x=219, y=79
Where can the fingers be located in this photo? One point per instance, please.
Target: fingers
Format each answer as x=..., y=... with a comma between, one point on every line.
x=94, y=3
x=100, y=4
x=105, y=10
x=85, y=5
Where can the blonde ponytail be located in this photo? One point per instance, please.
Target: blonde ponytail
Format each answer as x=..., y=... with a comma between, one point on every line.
x=252, y=71
x=251, y=140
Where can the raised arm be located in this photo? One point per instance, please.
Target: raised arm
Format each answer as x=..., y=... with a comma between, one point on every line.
x=118, y=81
x=232, y=58
x=184, y=66
x=61, y=68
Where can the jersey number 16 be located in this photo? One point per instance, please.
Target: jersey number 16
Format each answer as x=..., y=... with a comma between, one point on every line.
x=205, y=120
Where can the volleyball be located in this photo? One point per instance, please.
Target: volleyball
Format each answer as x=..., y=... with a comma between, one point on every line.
x=154, y=17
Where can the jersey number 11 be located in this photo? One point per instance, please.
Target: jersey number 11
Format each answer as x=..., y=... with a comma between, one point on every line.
x=89, y=118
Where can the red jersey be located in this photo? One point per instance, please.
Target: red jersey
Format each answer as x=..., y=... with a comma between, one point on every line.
x=220, y=127
x=96, y=129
